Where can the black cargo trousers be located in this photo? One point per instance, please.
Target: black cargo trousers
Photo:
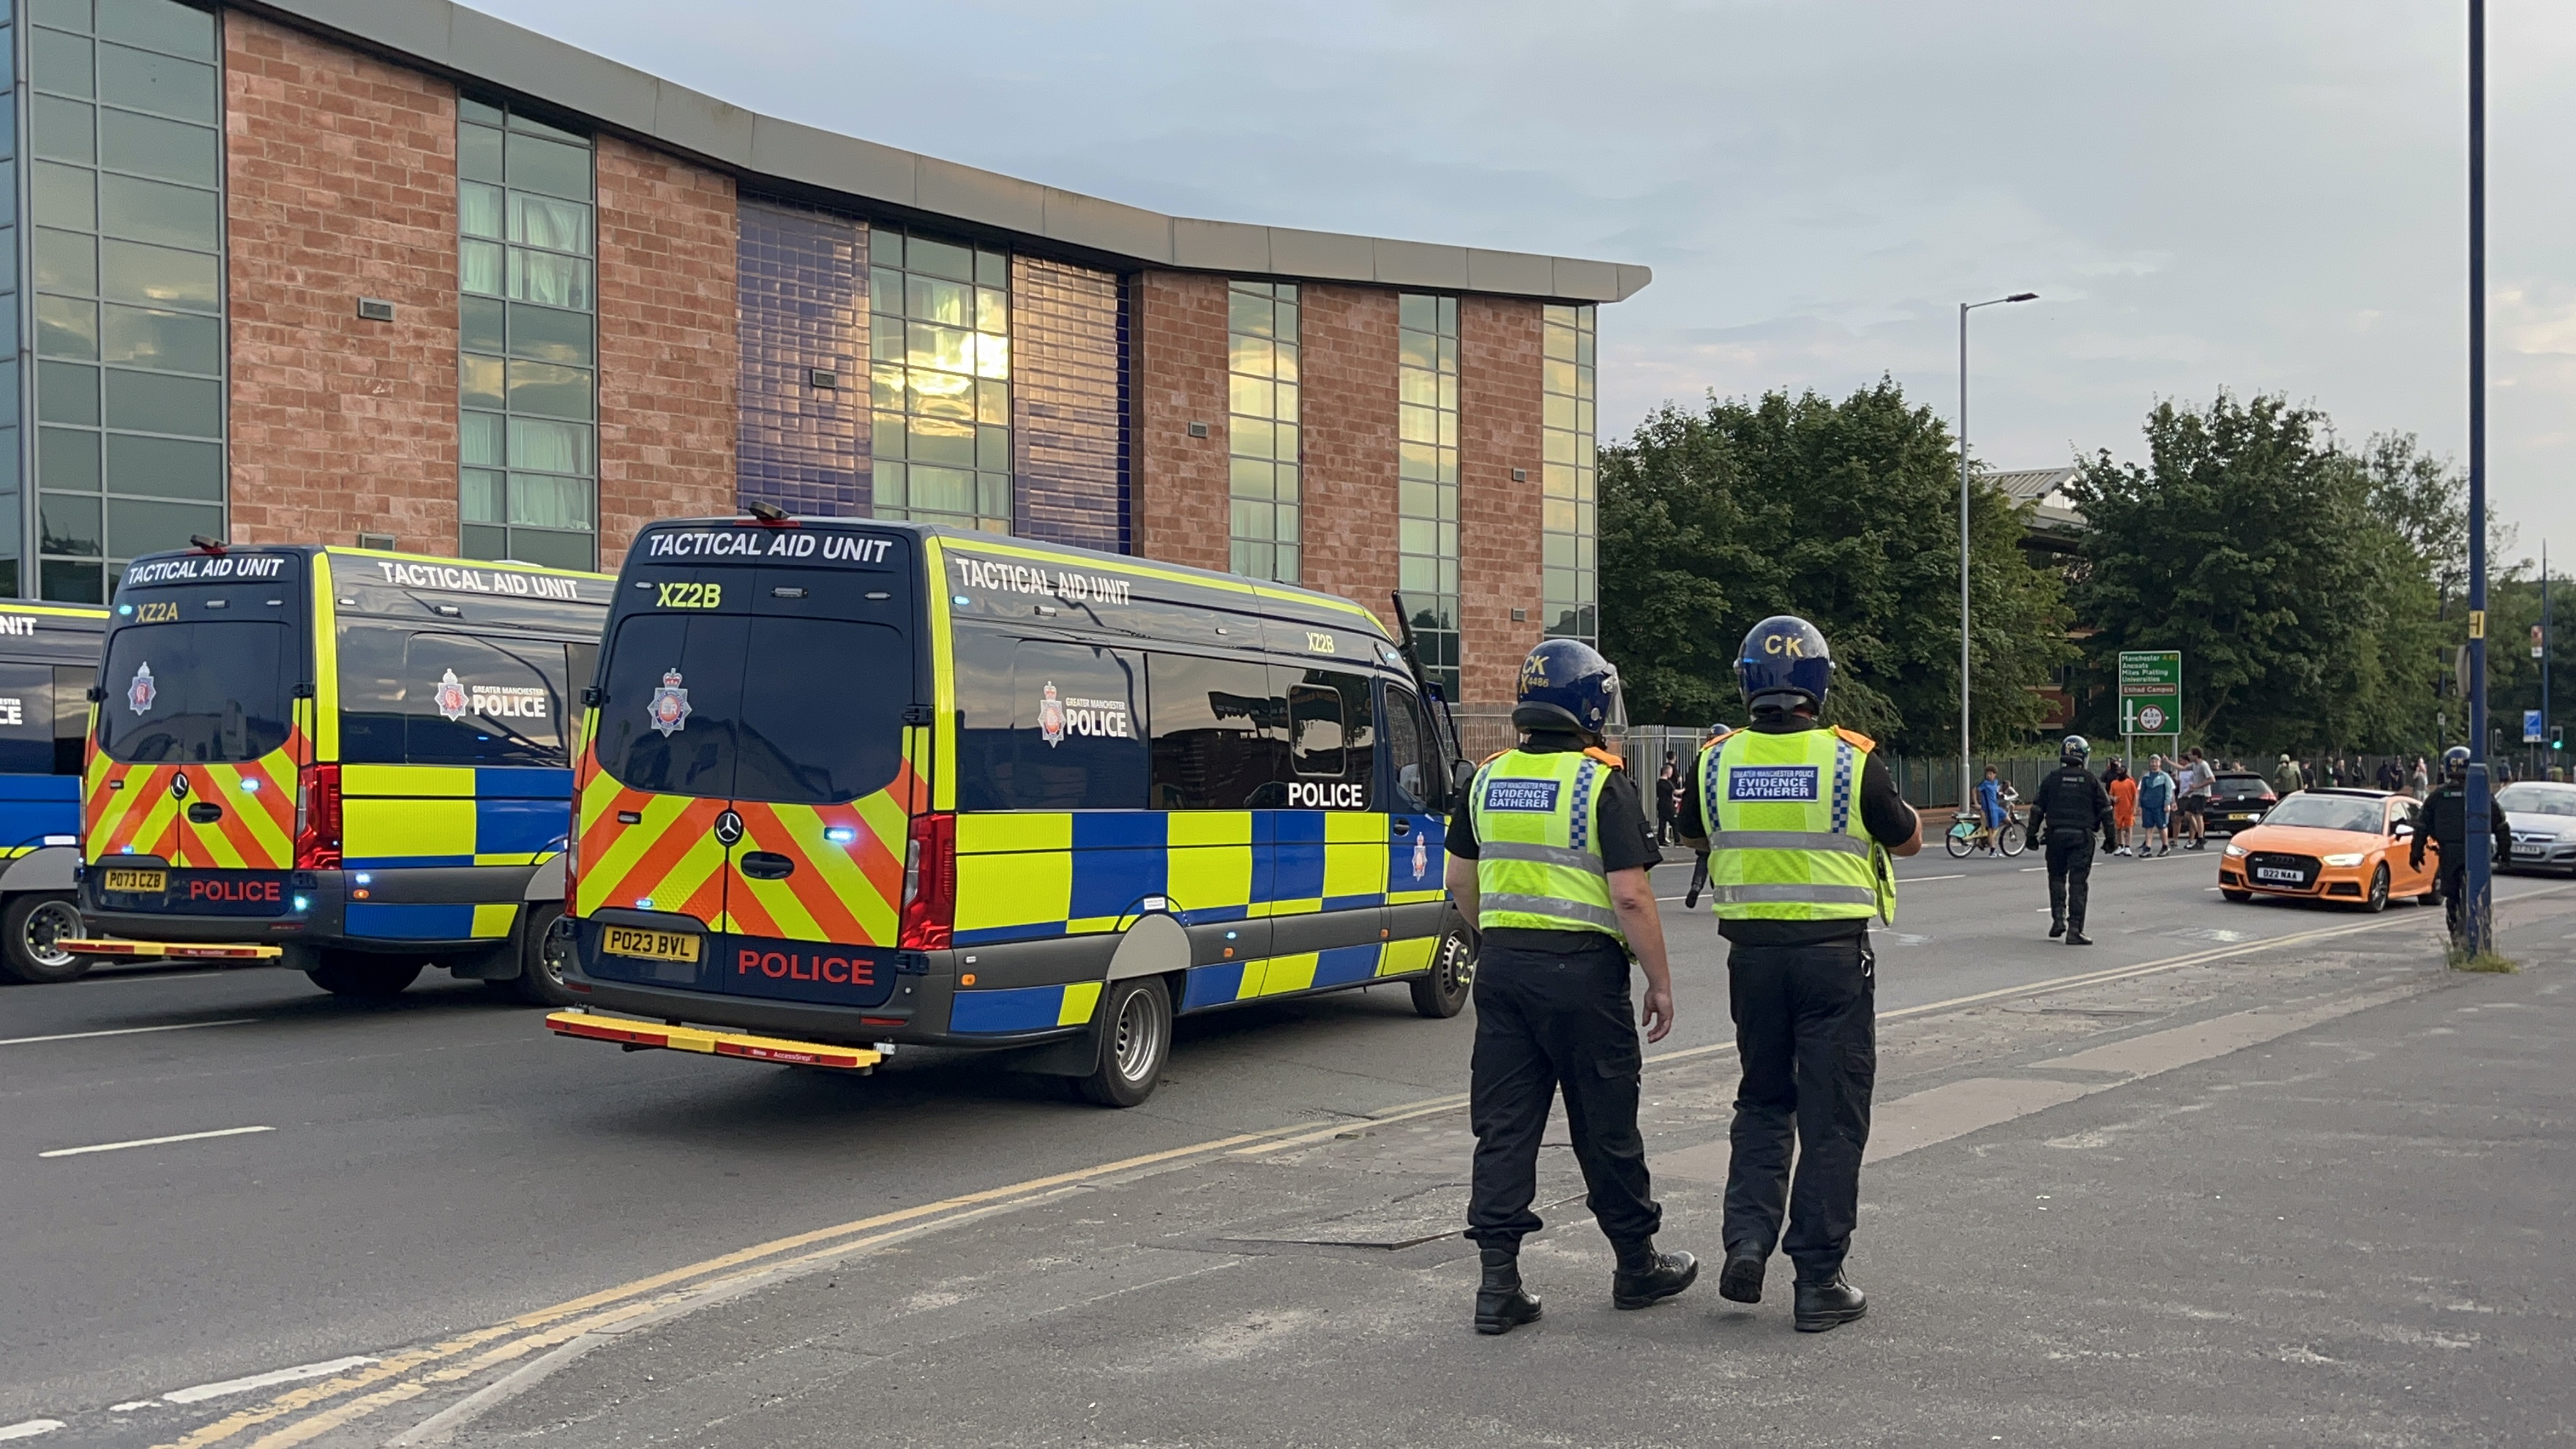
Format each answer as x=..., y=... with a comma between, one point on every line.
x=2070, y=877
x=1545, y=1022
x=1806, y=1033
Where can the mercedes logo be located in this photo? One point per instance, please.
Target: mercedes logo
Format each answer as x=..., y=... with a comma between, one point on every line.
x=728, y=829
x=179, y=786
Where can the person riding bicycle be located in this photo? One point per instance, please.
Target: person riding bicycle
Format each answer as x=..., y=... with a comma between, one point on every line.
x=1990, y=806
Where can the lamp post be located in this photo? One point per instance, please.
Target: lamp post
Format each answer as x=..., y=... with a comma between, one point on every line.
x=1967, y=771
x=2476, y=924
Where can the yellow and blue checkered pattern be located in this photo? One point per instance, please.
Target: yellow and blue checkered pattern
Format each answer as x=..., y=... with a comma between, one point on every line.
x=397, y=817
x=1038, y=1008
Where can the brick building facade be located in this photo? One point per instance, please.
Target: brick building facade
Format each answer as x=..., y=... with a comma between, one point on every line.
x=339, y=271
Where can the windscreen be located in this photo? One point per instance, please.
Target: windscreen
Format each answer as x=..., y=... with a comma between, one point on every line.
x=2329, y=812
x=2240, y=785
x=755, y=707
x=2537, y=800
x=197, y=691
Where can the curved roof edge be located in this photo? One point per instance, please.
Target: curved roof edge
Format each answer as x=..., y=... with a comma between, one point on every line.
x=467, y=43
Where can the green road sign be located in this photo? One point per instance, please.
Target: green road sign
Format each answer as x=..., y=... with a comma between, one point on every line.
x=2151, y=692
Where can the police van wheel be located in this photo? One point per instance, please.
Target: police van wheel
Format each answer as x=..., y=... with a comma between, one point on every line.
x=33, y=923
x=1441, y=994
x=1135, y=1042
x=541, y=963
x=363, y=976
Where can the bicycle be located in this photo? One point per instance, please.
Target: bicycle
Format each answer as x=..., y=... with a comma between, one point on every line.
x=1969, y=834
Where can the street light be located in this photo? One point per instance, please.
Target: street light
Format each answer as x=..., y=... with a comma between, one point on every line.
x=1965, y=772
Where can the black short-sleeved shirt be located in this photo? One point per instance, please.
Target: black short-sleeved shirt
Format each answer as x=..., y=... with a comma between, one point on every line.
x=1883, y=813
x=1627, y=842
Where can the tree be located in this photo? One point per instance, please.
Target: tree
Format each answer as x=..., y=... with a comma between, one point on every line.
x=2299, y=582
x=1845, y=514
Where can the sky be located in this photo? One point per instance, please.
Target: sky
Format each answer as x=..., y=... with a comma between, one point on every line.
x=2206, y=194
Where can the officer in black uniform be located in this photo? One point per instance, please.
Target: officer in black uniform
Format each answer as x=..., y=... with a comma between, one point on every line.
x=1552, y=1011
x=2444, y=822
x=1804, y=997
x=2070, y=805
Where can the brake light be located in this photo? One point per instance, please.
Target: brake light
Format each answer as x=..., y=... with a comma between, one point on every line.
x=929, y=884
x=317, y=818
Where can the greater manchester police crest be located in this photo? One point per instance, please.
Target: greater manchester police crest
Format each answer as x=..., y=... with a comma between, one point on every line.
x=669, y=709
x=449, y=696
x=142, y=691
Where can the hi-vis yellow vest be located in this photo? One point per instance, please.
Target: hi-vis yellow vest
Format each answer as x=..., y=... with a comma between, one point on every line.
x=1786, y=841
x=1538, y=862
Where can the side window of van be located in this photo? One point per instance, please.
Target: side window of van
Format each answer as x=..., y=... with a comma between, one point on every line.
x=1045, y=725
x=27, y=719
x=446, y=699
x=1332, y=727
x=72, y=684
x=1220, y=736
x=1421, y=778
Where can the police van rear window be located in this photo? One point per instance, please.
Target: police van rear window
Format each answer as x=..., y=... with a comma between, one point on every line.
x=198, y=690
x=792, y=710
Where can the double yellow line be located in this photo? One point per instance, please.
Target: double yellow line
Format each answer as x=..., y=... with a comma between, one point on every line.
x=405, y=1376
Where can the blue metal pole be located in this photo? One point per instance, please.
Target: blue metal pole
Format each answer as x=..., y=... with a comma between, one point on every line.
x=2477, y=917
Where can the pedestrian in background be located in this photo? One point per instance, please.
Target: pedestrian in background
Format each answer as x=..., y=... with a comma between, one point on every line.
x=2124, y=806
x=2155, y=803
x=2069, y=807
x=1548, y=854
x=2197, y=779
x=2285, y=777
x=1990, y=807
x=1668, y=797
x=1803, y=820
x=2418, y=783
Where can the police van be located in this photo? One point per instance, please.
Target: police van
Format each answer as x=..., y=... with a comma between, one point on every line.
x=359, y=757
x=48, y=660
x=852, y=783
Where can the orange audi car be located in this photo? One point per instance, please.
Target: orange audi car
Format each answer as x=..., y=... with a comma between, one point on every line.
x=2347, y=846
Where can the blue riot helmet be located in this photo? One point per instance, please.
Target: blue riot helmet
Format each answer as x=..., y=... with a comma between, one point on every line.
x=1566, y=684
x=2455, y=763
x=2074, y=750
x=1783, y=660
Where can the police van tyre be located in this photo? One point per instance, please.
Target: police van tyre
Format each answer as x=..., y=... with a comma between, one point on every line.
x=364, y=976
x=1453, y=970
x=1135, y=1042
x=33, y=924
x=540, y=981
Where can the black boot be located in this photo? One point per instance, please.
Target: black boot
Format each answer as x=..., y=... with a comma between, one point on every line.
x=1501, y=1306
x=1646, y=1277
x=2056, y=927
x=1740, y=1281
x=1829, y=1304
x=2075, y=937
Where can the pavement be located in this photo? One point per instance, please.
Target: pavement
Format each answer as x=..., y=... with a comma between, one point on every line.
x=2241, y=1174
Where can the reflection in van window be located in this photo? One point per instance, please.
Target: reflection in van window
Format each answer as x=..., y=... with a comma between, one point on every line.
x=197, y=693
x=796, y=711
x=1048, y=726
x=1332, y=735
x=430, y=698
x=1219, y=734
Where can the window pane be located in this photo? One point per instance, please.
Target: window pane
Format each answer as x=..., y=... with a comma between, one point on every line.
x=157, y=211
x=992, y=355
x=1248, y=395
x=942, y=490
x=553, y=550
x=938, y=440
x=66, y=196
x=481, y=319
x=160, y=24
x=993, y=448
x=173, y=150
x=70, y=524
x=1218, y=735
x=992, y=310
x=993, y=402
x=541, y=221
x=478, y=381
x=165, y=277
x=541, y=502
x=167, y=340
x=479, y=442
x=164, y=467
x=549, y=335
x=1247, y=313
x=66, y=328
x=1418, y=313
x=554, y=280
x=478, y=209
x=74, y=583
x=932, y=300
x=67, y=458
x=66, y=392
x=1252, y=437
x=154, y=403
x=549, y=390
x=66, y=261
x=148, y=82
x=940, y=259
x=550, y=447
x=64, y=130
x=60, y=62
x=478, y=541
x=478, y=153
x=550, y=166
x=481, y=499
x=138, y=526
x=478, y=267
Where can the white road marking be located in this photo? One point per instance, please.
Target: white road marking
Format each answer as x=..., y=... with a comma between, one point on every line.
x=130, y=1405
x=273, y=1377
x=125, y=1031
x=29, y=1428
x=1910, y=879
x=153, y=1141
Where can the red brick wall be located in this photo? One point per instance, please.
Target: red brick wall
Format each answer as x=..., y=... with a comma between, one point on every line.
x=1349, y=365
x=341, y=178
x=1179, y=481
x=668, y=358
x=1499, y=423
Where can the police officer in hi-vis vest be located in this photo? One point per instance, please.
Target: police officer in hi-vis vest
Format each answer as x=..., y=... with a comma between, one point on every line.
x=1548, y=855
x=1799, y=821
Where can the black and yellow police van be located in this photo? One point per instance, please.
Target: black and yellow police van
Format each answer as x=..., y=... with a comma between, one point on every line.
x=355, y=761
x=848, y=784
x=48, y=660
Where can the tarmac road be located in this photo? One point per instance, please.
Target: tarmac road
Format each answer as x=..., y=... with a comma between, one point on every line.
x=398, y=1172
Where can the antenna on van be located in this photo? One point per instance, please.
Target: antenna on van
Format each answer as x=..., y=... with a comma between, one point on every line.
x=204, y=544
x=766, y=512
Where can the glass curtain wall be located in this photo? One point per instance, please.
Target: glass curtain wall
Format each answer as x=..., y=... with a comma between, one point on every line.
x=1572, y=593
x=1261, y=430
x=528, y=369
x=939, y=375
x=13, y=503
x=1427, y=486
x=125, y=188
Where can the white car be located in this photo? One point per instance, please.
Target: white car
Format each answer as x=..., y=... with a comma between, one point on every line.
x=2543, y=816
